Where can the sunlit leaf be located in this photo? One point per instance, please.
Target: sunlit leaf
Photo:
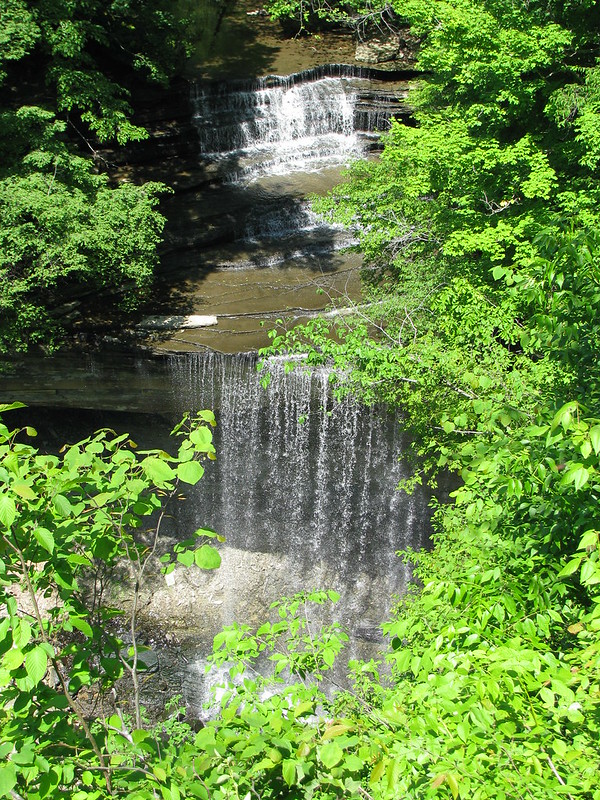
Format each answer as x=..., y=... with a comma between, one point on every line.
x=157, y=470
x=288, y=769
x=45, y=538
x=8, y=777
x=331, y=754
x=23, y=490
x=36, y=664
x=8, y=510
x=190, y=472
x=207, y=557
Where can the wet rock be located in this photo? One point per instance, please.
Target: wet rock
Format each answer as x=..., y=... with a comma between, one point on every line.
x=378, y=51
x=400, y=48
x=172, y=321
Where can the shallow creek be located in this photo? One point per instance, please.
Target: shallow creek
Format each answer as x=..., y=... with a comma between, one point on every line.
x=247, y=247
x=303, y=488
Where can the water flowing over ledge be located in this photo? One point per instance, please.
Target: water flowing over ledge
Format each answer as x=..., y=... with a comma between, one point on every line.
x=246, y=243
x=295, y=123
x=309, y=75
x=304, y=490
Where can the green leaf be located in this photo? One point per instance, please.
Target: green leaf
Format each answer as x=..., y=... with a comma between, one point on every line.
x=207, y=416
x=576, y=474
x=22, y=633
x=377, y=772
x=564, y=415
x=186, y=557
x=11, y=406
x=571, y=567
x=353, y=763
x=12, y=659
x=209, y=533
x=8, y=778
x=8, y=510
x=337, y=730
x=62, y=506
x=307, y=707
x=202, y=439
x=331, y=754
x=585, y=449
x=590, y=573
x=462, y=730
x=190, y=472
x=82, y=625
x=453, y=784
x=44, y=538
x=36, y=664
x=157, y=470
x=274, y=754
x=207, y=557
x=595, y=438
x=590, y=539
x=23, y=490
x=559, y=747
x=288, y=769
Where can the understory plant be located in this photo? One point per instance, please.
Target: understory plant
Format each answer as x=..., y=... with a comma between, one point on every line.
x=67, y=521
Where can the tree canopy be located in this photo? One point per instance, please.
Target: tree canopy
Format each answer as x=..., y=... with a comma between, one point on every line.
x=480, y=232
x=64, y=228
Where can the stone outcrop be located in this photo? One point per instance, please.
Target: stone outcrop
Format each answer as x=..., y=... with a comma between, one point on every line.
x=160, y=323
x=398, y=50
x=378, y=51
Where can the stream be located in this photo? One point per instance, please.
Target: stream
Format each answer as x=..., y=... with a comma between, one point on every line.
x=246, y=246
x=304, y=488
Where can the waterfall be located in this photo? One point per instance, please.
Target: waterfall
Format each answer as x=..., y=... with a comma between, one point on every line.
x=316, y=475
x=303, y=489
x=242, y=236
x=297, y=123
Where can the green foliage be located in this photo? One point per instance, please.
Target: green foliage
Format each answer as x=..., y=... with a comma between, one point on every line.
x=482, y=244
x=295, y=647
x=64, y=229
x=505, y=139
x=495, y=660
x=360, y=15
x=65, y=520
x=82, y=45
x=480, y=232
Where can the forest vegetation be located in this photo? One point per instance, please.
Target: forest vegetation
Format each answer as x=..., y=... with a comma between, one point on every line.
x=481, y=237
x=65, y=67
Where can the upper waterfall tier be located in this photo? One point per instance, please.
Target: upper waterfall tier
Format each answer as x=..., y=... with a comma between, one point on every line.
x=301, y=122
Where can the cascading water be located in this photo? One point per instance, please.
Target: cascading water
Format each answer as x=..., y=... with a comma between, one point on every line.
x=305, y=454
x=265, y=145
x=297, y=123
x=304, y=490
x=278, y=129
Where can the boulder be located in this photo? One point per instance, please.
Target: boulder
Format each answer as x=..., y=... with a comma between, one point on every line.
x=378, y=51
